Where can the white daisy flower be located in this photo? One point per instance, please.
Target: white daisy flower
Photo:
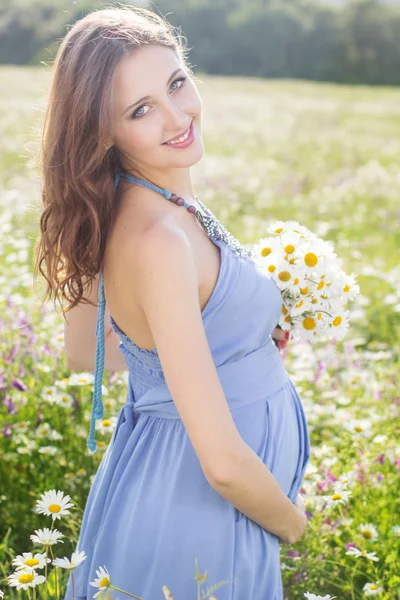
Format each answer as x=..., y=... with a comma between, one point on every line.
x=379, y=439
x=42, y=430
x=340, y=496
x=84, y=378
x=47, y=537
x=27, y=561
x=310, y=596
x=350, y=289
x=25, y=579
x=102, y=582
x=65, y=400
x=396, y=530
x=106, y=425
x=372, y=589
x=21, y=427
x=368, y=531
x=353, y=551
x=49, y=394
x=48, y=450
x=54, y=504
x=76, y=559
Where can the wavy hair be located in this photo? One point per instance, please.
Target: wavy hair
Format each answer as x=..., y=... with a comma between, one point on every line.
x=77, y=170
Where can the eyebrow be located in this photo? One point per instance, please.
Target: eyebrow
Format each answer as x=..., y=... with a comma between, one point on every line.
x=148, y=97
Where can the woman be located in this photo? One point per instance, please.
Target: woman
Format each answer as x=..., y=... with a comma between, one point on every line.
x=208, y=455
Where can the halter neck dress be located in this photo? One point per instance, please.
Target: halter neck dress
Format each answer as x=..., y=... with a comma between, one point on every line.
x=151, y=515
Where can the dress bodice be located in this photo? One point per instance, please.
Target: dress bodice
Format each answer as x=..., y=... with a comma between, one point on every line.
x=239, y=317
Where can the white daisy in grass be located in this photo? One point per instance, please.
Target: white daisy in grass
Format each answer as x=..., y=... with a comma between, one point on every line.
x=48, y=450
x=339, y=496
x=353, y=551
x=49, y=394
x=65, y=400
x=77, y=558
x=42, y=430
x=21, y=426
x=28, y=561
x=102, y=582
x=47, y=537
x=310, y=596
x=359, y=427
x=345, y=479
x=368, y=531
x=54, y=504
x=396, y=530
x=106, y=425
x=84, y=378
x=372, y=589
x=25, y=579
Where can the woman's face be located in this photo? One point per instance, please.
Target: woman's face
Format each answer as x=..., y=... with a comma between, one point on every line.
x=143, y=126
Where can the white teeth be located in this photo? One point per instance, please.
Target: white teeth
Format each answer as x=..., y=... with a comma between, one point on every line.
x=181, y=139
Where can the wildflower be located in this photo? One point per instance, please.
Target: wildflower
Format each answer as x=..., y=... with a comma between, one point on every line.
x=102, y=582
x=54, y=504
x=358, y=553
x=368, y=531
x=76, y=559
x=47, y=537
x=372, y=589
x=310, y=596
x=48, y=450
x=24, y=579
x=84, y=378
x=396, y=530
x=340, y=496
x=24, y=560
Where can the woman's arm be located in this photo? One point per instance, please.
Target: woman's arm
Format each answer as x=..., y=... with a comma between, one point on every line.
x=160, y=270
x=80, y=337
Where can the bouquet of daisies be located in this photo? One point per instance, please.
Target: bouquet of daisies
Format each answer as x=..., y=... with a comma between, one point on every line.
x=314, y=288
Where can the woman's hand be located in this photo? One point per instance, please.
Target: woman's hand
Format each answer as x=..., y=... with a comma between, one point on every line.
x=280, y=337
x=301, y=522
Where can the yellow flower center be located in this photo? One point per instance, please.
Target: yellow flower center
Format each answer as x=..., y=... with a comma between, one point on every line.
x=346, y=288
x=31, y=562
x=284, y=276
x=26, y=577
x=54, y=508
x=49, y=392
x=296, y=280
x=64, y=399
x=319, y=317
x=299, y=304
x=271, y=268
x=358, y=428
x=373, y=586
x=311, y=259
x=304, y=290
x=279, y=230
x=309, y=323
x=106, y=422
x=336, y=497
x=266, y=251
x=289, y=249
x=105, y=582
x=287, y=319
x=320, y=285
x=367, y=534
x=336, y=321
x=284, y=310
x=314, y=301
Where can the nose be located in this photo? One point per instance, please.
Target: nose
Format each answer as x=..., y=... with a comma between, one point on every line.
x=176, y=120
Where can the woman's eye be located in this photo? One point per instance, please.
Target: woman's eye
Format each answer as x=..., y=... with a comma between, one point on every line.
x=135, y=113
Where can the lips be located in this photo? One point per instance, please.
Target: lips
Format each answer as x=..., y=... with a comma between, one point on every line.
x=180, y=134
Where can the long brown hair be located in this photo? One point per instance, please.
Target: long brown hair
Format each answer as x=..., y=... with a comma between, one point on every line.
x=77, y=170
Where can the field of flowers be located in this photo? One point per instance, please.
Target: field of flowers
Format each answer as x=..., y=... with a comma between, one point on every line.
x=327, y=156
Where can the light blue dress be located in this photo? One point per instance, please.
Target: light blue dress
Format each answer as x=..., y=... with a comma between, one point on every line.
x=151, y=512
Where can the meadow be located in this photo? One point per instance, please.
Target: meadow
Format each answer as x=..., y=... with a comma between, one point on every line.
x=325, y=155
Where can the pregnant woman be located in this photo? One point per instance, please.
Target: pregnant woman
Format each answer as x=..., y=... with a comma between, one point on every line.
x=210, y=448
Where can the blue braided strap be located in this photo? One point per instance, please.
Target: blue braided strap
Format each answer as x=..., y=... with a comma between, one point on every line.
x=97, y=405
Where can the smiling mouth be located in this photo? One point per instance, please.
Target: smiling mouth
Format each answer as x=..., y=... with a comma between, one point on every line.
x=181, y=138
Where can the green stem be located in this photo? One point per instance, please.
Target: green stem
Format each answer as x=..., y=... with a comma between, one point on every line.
x=124, y=592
